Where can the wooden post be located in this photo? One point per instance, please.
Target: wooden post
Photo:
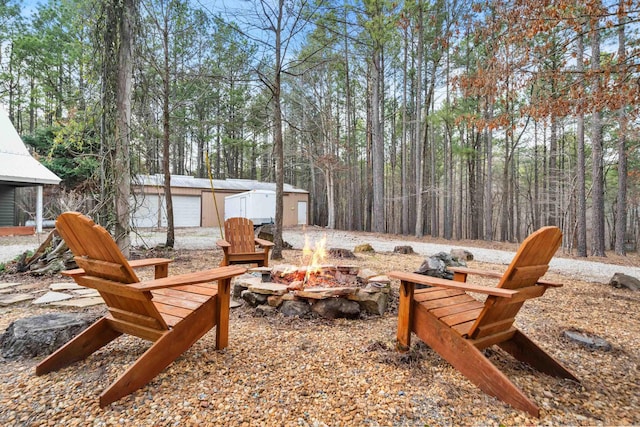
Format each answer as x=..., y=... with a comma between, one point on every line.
x=161, y=271
x=405, y=316
x=222, y=312
x=459, y=276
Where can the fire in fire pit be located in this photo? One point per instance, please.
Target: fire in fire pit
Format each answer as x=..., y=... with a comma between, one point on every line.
x=318, y=276
x=314, y=273
x=313, y=285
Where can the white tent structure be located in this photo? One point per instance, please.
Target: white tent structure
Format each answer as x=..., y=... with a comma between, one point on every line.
x=19, y=169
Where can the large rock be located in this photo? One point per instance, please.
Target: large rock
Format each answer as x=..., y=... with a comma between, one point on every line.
x=42, y=335
x=266, y=311
x=588, y=340
x=371, y=302
x=436, y=266
x=332, y=308
x=365, y=247
x=461, y=254
x=294, y=308
x=253, y=299
x=621, y=280
x=240, y=284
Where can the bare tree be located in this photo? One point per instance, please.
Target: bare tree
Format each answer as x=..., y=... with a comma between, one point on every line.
x=621, y=204
x=581, y=196
x=122, y=164
x=279, y=23
x=598, y=248
x=116, y=117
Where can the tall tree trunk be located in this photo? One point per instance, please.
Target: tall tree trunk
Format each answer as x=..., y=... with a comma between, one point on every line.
x=581, y=194
x=448, y=160
x=598, y=248
x=488, y=179
x=278, y=148
x=419, y=160
x=166, y=146
x=403, y=144
x=377, y=140
x=621, y=213
x=122, y=166
x=552, y=219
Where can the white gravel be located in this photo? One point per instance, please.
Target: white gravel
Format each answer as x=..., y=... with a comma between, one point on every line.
x=205, y=238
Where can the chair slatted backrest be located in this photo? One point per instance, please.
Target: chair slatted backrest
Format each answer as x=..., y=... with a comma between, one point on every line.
x=530, y=263
x=240, y=235
x=108, y=271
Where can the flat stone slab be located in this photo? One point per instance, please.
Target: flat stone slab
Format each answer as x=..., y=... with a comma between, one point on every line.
x=28, y=287
x=380, y=279
x=68, y=286
x=259, y=270
x=79, y=302
x=8, y=299
x=8, y=285
x=322, y=293
x=588, y=340
x=269, y=288
x=86, y=292
x=52, y=297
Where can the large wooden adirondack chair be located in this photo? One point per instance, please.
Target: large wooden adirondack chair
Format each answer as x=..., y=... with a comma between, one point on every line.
x=239, y=244
x=458, y=327
x=173, y=312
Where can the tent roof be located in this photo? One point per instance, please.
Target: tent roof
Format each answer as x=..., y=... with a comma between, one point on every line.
x=16, y=164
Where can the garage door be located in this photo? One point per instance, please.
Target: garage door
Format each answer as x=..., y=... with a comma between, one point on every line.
x=186, y=211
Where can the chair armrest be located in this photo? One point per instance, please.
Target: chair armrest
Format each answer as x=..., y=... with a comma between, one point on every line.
x=497, y=275
x=263, y=243
x=190, y=278
x=450, y=284
x=223, y=244
x=476, y=271
x=135, y=263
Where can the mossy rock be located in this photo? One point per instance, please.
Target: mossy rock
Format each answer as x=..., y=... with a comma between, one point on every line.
x=365, y=247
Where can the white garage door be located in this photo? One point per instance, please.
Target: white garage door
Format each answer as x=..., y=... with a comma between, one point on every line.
x=186, y=211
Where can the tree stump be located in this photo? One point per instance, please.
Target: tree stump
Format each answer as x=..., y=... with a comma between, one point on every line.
x=341, y=253
x=403, y=249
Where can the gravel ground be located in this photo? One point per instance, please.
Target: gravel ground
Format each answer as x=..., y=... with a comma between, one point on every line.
x=593, y=269
x=313, y=372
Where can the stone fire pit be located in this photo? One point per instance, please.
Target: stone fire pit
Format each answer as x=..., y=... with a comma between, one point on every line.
x=333, y=291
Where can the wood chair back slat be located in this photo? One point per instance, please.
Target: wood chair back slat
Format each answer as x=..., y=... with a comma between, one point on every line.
x=240, y=234
x=107, y=270
x=529, y=264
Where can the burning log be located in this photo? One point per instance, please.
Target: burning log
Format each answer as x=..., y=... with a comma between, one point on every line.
x=323, y=276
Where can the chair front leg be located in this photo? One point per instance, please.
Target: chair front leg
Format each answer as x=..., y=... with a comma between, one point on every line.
x=405, y=316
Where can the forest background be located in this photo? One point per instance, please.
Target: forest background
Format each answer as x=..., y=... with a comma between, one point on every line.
x=451, y=118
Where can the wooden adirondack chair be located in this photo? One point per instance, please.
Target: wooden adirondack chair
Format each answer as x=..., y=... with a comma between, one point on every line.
x=173, y=312
x=239, y=244
x=458, y=326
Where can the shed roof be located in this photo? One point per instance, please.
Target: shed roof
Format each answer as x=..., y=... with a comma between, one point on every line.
x=17, y=166
x=235, y=185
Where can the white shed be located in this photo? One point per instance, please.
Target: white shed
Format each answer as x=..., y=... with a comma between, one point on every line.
x=19, y=169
